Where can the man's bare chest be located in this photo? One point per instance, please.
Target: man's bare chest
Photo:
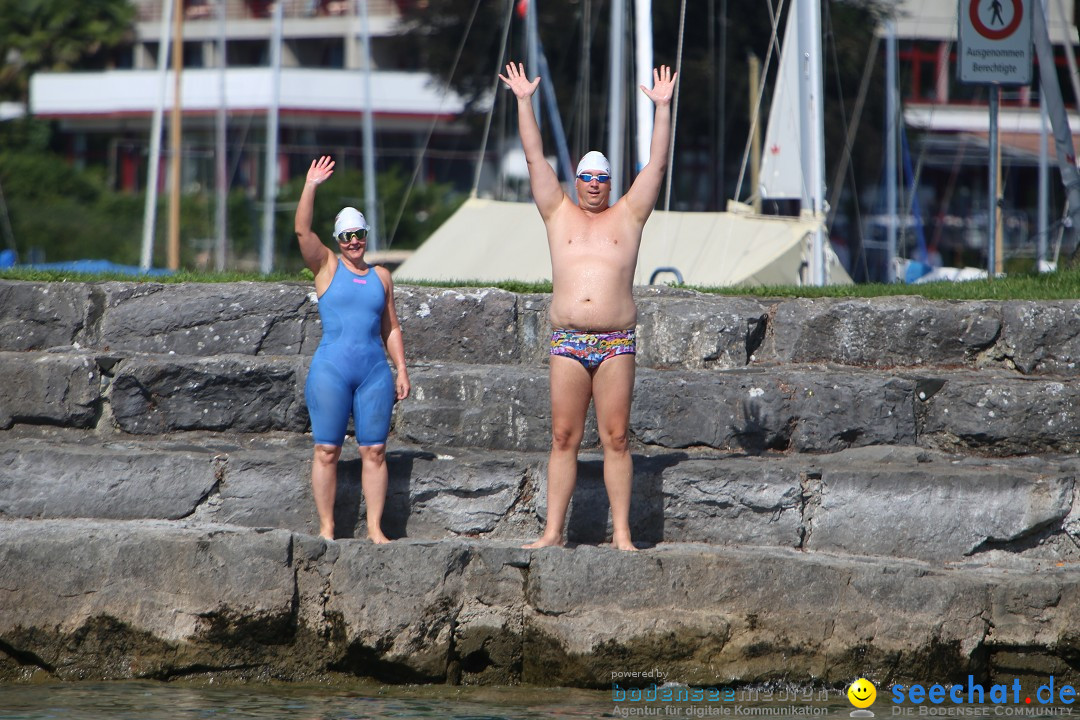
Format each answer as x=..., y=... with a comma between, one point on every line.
x=589, y=236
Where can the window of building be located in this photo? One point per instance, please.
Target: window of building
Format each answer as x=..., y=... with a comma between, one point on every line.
x=247, y=53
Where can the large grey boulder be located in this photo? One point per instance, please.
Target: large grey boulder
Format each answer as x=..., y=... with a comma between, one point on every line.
x=902, y=502
x=203, y=319
x=38, y=316
x=156, y=394
x=878, y=500
x=995, y=413
x=430, y=494
x=883, y=332
x=124, y=599
x=54, y=389
x=162, y=600
x=696, y=331
x=1041, y=337
x=499, y=407
x=470, y=325
x=752, y=410
x=822, y=489
x=43, y=479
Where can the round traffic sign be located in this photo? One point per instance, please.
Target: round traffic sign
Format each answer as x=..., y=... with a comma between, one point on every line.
x=995, y=6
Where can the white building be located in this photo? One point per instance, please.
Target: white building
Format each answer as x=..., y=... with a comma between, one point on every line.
x=106, y=116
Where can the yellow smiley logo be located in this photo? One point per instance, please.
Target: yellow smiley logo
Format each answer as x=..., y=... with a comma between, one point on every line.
x=862, y=693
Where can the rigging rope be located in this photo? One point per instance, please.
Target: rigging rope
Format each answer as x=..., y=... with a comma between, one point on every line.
x=494, y=95
x=853, y=127
x=845, y=167
x=773, y=43
x=675, y=108
x=431, y=128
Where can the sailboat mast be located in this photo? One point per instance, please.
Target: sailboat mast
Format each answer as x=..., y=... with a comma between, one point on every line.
x=221, y=180
x=813, y=127
x=146, y=258
x=754, y=67
x=1059, y=119
x=266, y=248
x=890, y=149
x=175, y=140
x=371, y=203
x=615, y=97
x=644, y=64
x=532, y=48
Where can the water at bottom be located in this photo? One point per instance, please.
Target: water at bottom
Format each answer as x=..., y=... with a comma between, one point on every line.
x=144, y=700
x=174, y=701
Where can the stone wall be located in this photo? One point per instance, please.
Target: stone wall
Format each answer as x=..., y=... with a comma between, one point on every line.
x=822, y=489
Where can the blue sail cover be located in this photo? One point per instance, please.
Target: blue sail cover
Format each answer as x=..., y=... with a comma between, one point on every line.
x=97, y=267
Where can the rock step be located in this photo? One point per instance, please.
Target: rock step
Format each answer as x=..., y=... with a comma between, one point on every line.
x=901, y=502
x=805, y=409
x=160, y=599
x=677, y=328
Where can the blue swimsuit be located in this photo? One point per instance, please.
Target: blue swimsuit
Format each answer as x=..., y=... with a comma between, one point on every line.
x=349, y=370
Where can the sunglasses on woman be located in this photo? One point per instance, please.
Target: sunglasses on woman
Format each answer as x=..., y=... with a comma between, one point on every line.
x=352, y=235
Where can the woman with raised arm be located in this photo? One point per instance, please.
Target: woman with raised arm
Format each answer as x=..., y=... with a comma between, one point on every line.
x=349, y=372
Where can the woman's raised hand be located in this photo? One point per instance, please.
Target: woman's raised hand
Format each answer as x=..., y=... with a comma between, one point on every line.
x=320, y=170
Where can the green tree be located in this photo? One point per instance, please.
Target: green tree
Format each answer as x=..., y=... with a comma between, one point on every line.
x=404, y=226
x=60, y=211
x=58, y=35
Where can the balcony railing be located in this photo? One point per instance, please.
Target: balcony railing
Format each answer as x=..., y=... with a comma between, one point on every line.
x=201, y=10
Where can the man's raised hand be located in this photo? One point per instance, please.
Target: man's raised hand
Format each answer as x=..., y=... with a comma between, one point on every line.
x=663, y=88
x=515, y=80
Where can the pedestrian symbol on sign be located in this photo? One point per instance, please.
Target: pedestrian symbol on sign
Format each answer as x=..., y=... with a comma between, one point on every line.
x=993, y=20
x=996, y=7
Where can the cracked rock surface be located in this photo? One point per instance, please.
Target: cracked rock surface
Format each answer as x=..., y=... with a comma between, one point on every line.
x=822, y=489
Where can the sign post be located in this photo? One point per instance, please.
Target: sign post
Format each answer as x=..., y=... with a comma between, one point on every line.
x=995, y=50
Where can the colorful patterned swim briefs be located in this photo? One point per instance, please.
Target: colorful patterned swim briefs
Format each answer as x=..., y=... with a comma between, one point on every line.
x=592, y=348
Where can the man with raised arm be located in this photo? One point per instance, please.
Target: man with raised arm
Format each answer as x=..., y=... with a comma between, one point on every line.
x=594, y=251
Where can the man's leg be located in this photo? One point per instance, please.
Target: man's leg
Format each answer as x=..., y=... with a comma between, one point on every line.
x=570, y=394
x=613, y=388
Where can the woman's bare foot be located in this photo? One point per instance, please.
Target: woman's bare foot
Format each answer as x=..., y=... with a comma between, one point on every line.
x=377, y=537
x=545, y=541
x=622, y=542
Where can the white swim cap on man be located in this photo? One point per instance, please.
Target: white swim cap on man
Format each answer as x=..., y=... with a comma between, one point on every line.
x=594, y=160
x=349, y=219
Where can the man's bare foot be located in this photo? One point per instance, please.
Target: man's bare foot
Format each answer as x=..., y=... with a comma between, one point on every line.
x=622, y=542
x=377, y=537
x=545, y=541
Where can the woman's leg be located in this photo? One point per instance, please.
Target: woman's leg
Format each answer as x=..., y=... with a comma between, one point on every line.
x=324, y=486
x=374, y=482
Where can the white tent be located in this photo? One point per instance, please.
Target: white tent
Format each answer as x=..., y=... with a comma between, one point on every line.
x=490, y=241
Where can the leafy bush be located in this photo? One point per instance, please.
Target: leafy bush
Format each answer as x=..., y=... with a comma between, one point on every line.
x=66, y=213
x=406, y=218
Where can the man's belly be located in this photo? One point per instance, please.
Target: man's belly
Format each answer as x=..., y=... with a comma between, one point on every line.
x=593, y=314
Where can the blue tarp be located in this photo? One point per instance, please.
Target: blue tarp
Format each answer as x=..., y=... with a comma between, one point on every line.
x=916, y=270
x=97, y=267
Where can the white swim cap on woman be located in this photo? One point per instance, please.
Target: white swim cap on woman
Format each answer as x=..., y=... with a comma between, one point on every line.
x=349, y=219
